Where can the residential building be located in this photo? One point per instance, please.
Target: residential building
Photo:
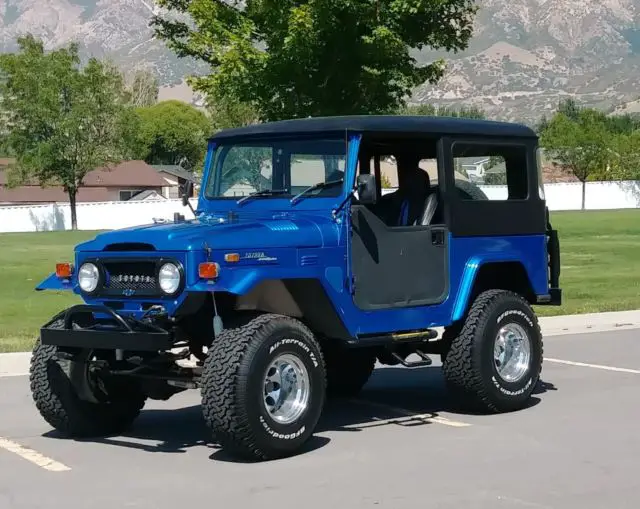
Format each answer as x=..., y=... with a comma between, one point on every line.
x=129, y=180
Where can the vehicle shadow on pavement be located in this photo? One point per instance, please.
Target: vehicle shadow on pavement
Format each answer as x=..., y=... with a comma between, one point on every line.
x=420, y=392
x=391, y=395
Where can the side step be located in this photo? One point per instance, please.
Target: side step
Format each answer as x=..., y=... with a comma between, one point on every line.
x=393, y=338
x=426, y=360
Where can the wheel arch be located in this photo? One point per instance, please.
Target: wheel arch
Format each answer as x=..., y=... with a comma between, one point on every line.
x=507, y=274
x=303, y=298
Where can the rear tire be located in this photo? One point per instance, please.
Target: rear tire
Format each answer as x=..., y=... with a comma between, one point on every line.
x=241, y=388
x=60, y=406
x=478, y=366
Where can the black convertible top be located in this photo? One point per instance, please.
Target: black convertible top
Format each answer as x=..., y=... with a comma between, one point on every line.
x=379, y=123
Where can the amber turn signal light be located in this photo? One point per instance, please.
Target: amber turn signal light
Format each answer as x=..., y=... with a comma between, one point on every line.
x=64, y=270
x=208, y=270
x=232, y=257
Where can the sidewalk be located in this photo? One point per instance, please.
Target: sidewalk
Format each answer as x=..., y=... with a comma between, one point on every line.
x=17, y=364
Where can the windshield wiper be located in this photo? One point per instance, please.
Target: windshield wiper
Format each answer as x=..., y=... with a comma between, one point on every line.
x=264, y=192
x=320, y=185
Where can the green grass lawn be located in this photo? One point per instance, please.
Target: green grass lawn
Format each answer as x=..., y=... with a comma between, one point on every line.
x=26, y=259
x=600, y=271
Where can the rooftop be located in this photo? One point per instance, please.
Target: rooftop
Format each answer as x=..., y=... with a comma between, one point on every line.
x=379, y=123
x=127, y=173
x=176, y=171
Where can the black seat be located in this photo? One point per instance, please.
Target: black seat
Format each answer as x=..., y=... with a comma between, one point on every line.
x=416, y=191
x=430, y=208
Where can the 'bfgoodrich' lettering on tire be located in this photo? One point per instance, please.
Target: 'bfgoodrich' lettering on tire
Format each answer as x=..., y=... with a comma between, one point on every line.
x=468, y=364
x=230, y=381
x=515, y=312
x=506, y=391
x=275, y=434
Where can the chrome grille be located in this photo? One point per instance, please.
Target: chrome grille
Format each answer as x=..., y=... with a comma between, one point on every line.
x=137, y=281
x=131, y=278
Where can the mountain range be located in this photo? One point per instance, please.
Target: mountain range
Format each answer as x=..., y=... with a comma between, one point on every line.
x=524, y=57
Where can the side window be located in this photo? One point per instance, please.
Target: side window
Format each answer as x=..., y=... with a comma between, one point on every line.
x=499, y=171
x=388, y=173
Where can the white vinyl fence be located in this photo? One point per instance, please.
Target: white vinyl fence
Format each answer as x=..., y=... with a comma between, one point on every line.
x=114, y=215
x=91, y=216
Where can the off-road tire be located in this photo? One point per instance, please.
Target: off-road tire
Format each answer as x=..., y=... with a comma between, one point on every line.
x=470, y=191
x=468, y=366
x=233, y=384
x=348, y=369
x=60, y=406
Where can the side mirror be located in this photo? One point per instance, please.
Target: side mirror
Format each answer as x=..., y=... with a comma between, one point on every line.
x=366, y=187
x=187, y=191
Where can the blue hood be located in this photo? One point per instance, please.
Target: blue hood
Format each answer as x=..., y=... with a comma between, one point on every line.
x=191, y=235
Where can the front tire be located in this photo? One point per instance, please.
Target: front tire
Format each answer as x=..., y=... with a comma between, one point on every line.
x=495, y=362
x=60, y=405
x=263, y=387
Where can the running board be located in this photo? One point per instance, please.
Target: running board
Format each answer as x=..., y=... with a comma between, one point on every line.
x=393, y=338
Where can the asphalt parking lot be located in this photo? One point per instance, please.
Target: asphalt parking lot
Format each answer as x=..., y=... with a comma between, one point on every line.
x=401, y=445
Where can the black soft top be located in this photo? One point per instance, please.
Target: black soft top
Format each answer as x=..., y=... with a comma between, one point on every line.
x=379, y=123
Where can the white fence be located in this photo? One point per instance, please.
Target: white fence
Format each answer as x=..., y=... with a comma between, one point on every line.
x=113, y=215
x=91, y=216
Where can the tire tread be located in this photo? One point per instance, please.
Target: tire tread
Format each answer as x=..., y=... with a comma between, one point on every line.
x=465, y=381
x=61, y=408
x=223, y=407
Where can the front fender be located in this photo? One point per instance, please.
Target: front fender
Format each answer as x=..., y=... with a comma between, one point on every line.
x=239, y=282
x=53, y=282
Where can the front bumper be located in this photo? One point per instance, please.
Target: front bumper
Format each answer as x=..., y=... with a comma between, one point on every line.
x=114, y=332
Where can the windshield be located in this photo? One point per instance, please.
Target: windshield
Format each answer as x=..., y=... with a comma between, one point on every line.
x=285, y=166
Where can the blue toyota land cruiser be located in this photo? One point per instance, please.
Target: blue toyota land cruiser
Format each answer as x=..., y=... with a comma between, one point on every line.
x=300, y=271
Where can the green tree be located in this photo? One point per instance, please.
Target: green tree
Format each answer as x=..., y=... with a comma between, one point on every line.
x=626, y=162
x=228, y=113
x=299, y=58
x=581, y=145
x=143, y=88
x=443, y=111
x=627, y=123
x=385, y=182
x=173, y=132
x=570, y=109
x=64, y=118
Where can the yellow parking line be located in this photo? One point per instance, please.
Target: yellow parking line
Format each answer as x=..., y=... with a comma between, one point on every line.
x=436, y=419
x=33, y=456
x=596, y=366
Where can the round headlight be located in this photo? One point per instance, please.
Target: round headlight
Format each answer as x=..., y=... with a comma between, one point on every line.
x=88, y=277
x=169, y=278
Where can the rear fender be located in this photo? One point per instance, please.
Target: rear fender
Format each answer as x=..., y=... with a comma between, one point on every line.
x=470, y=275
x=53, y=282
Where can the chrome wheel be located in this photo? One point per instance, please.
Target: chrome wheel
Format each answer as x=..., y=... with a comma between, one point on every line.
x=286, y=389
x=512, y=352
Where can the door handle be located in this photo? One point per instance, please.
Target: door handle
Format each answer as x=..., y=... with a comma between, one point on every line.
x=437, y=238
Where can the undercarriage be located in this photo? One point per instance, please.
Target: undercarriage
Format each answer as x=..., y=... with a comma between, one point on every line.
x=163, y=360
x=264, y=377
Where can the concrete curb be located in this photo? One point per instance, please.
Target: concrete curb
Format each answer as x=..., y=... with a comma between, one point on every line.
x=17, y=364
x=14, y=364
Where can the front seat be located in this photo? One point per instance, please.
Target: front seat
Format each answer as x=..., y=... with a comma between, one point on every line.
x=422, y=197
x=429, y=210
